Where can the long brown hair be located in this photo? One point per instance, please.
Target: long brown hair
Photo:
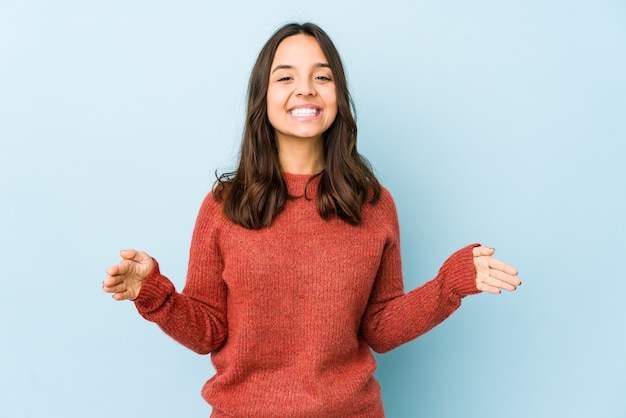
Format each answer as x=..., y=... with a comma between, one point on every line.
x=254, y=194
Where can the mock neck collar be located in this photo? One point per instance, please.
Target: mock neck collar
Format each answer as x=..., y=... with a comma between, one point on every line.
x=302, y=185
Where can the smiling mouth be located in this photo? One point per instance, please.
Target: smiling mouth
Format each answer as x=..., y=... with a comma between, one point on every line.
x=304, y=112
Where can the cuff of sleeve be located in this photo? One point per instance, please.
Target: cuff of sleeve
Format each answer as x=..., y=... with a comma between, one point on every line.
x=154, y=291
x=460, y=273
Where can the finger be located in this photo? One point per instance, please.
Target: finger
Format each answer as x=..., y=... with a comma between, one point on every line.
x=496, y=264
x=112, y=281
x=484, y=287
x=482, y=251
x=493, y=284
x=505, y=278
x=122, y=267
x=128, y=264
x=113, y=270
x=122, y=295
x=492, y=281
x=503, y=285
x=119, y=288
x=119, y=269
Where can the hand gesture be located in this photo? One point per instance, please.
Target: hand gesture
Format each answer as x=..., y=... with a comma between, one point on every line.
x=125, y=278
x=492, y=274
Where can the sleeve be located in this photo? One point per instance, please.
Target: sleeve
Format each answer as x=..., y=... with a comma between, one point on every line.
x=394, y=317
x=196, y=317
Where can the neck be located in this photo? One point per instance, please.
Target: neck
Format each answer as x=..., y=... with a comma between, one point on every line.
x=301, y=156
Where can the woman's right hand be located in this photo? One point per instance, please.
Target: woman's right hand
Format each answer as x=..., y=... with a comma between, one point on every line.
x=125, y=278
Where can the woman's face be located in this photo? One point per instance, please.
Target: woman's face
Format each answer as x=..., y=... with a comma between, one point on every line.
x=301, y=96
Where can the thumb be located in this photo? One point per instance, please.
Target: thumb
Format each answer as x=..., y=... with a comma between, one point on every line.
x=482, y=251
x=141, y=258
x=133, y=255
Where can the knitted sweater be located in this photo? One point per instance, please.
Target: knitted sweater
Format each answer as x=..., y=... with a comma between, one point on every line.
x=289, y=312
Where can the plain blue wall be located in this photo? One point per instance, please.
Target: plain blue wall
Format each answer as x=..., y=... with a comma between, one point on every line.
x=502, y=122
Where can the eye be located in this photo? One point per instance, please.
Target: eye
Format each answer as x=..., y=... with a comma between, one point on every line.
x=323, y=78
x=284, y=79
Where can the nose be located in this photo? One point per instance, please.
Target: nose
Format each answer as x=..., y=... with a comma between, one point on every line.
x=305, y=87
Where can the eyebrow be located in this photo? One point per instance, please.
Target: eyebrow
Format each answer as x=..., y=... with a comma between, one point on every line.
x=290, y=67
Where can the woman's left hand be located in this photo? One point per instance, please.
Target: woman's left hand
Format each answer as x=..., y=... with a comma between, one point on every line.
x=493, y=274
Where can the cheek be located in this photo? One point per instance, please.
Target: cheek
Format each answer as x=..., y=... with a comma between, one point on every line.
x=273, y=118
x=330, y=97
x=273, y=105
x=331, y=105
x=276, y=98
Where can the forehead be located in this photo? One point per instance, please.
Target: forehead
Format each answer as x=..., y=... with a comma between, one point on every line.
x=299, y=50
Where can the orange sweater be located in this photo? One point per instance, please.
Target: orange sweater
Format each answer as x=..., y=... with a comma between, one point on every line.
x=289, y=313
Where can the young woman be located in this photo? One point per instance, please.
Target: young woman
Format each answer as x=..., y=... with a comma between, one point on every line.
x=294, y=271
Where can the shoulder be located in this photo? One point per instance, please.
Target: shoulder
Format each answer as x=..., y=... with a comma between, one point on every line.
x=386, y=199
x=382, y=212
x=385, y=202
x=211, y=202
x=210, y=212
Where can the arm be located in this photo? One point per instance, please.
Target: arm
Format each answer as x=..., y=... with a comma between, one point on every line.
x=393, y=318
x=196, y=317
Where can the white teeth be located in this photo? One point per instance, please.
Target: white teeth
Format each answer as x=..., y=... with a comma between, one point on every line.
x=304, y=112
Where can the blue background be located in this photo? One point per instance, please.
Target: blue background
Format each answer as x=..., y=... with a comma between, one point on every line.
x=502, y=122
